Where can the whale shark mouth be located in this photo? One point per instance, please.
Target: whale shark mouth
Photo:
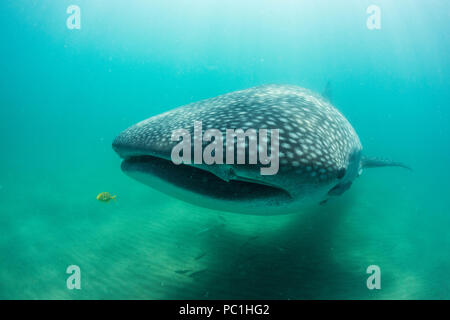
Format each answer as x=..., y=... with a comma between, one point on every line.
x=152, y=170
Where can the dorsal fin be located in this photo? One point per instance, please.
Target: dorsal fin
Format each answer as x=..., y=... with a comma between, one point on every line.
x=327, y=92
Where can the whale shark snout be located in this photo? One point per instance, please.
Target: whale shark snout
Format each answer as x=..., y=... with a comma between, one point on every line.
x=150, y=163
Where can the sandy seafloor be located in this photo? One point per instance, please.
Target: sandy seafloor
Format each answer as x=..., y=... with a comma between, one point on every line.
x=148, y=245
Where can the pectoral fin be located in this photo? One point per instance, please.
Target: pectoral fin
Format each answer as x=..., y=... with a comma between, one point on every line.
x=375, y=163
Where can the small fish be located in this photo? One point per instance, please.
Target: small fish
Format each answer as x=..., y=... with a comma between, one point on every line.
x=249, y=240
x=203, y=231
x=105, y=197
x=201, y=255
x=214, y=227
x=197, y=273
x=183, y=271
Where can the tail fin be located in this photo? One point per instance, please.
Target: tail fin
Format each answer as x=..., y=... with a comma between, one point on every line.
x=375, y=162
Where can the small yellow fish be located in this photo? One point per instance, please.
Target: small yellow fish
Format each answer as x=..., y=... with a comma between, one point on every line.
x=105, y=197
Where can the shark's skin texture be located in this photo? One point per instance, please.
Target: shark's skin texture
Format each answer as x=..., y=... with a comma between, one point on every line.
x=319, y=151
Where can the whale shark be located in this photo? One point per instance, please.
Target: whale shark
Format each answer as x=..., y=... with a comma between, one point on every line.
x=319, y=153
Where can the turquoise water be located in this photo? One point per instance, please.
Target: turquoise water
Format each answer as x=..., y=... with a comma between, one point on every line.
x=65, y=94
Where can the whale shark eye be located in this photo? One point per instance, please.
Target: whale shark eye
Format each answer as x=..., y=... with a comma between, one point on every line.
x=341, y=173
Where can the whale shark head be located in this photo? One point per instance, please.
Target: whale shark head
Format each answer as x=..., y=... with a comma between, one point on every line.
x=316, y=154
